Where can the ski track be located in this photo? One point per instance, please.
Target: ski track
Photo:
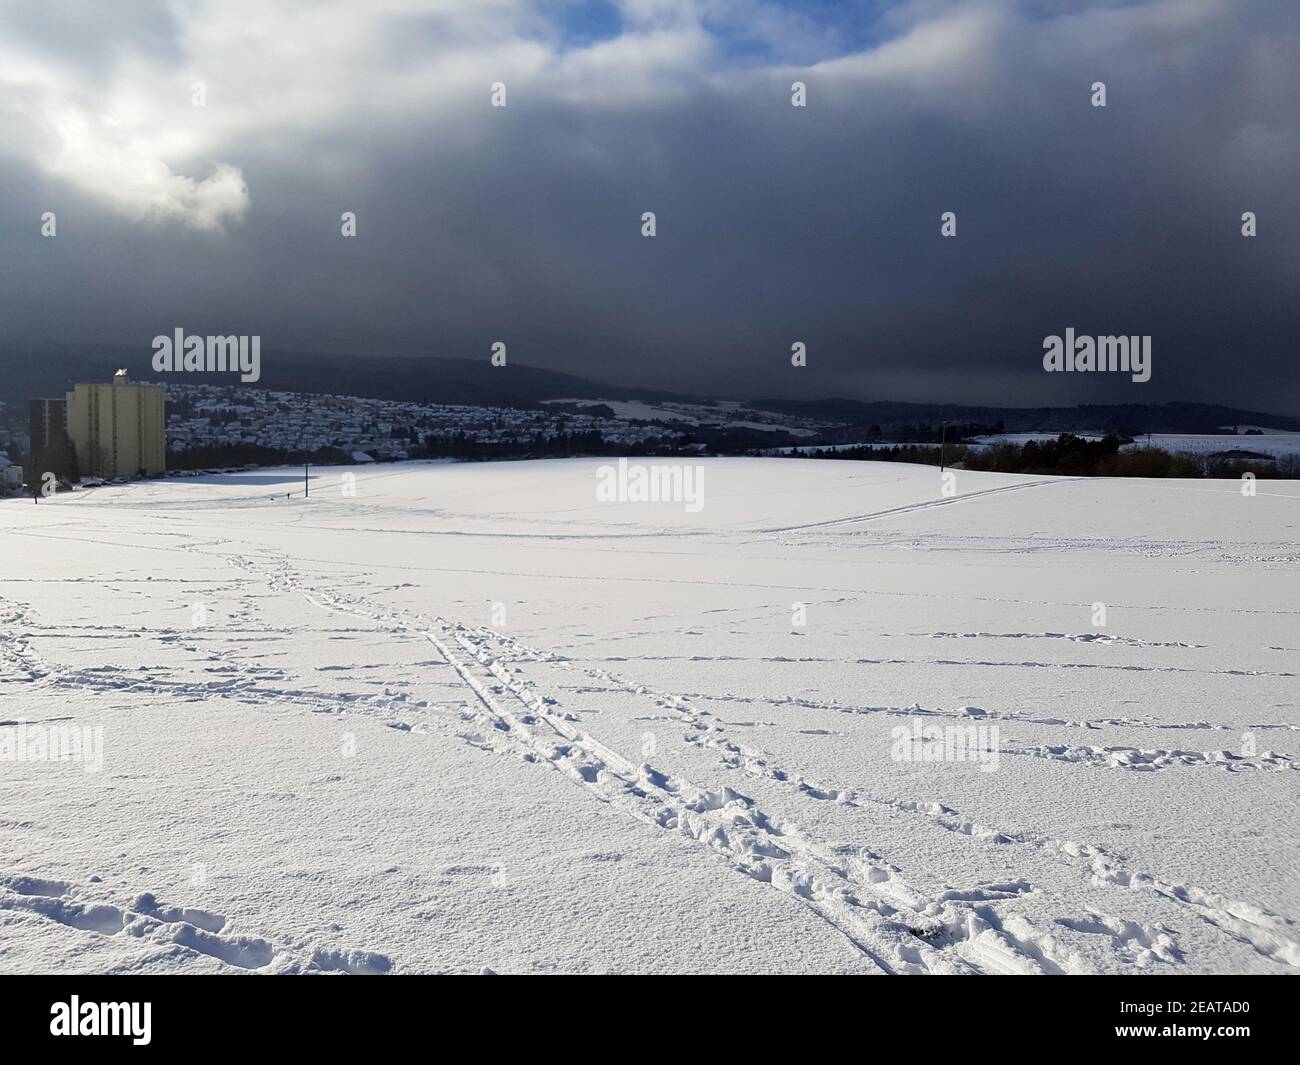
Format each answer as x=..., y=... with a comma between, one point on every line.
x=908, y=508
x=853, y=888
x=916, y=710
x=964, y=662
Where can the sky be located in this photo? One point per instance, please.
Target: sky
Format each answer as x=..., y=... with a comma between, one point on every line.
x=774, y=224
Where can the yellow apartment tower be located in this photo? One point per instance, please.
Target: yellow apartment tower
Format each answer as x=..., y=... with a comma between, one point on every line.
x=118, y=429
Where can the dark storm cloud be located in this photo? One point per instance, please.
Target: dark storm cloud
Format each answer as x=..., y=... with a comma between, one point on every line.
x=775, y=224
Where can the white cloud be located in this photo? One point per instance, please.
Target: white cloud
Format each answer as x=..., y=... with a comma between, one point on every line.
x=116, y=120
x=99, y=155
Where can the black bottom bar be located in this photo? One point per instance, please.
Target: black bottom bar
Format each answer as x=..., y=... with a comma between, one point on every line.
x=1225, y=1015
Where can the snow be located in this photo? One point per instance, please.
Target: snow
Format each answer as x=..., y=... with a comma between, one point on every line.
x=1276, y=444
x=463, y=717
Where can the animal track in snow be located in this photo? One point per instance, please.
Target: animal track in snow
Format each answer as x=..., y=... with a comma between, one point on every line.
x=1148, y=761
x=1081, y=637
x=353, y=962
x=197, y=930
x=1144, y=943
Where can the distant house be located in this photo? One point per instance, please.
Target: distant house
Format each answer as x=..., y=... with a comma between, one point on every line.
x=11, y=476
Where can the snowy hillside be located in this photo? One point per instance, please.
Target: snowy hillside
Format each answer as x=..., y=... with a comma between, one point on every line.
x=1278, y=445
x=443, y=717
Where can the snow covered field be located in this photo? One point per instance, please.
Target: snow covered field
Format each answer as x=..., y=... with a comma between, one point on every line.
x=468, y=718
x=1278, y=445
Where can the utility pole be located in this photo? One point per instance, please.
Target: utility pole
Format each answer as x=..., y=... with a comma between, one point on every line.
x=943, y=440
x=306, y=483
